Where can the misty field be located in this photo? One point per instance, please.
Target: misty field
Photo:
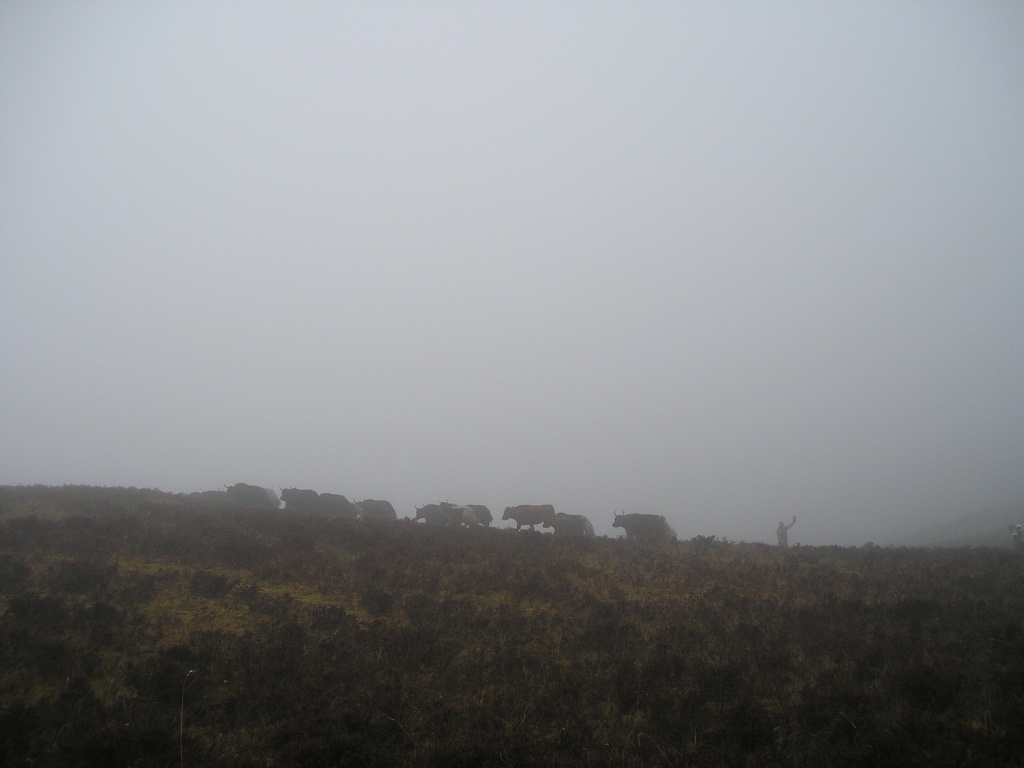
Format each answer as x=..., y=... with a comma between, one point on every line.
x=148, y=629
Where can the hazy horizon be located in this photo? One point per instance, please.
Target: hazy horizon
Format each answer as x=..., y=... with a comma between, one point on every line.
x=728, y=263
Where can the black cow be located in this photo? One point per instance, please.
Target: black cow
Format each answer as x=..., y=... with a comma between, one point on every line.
x=578, y=526
x=298, y=500
x=245, y=495
x=483, y=514
x=444, y=514
x=374, y=509
x=639, y=526
x=337, y=505
x=432, y=514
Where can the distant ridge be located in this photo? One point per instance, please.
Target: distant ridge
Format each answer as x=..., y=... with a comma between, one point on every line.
x=987, y=528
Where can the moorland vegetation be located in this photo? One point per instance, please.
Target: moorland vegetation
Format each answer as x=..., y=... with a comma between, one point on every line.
x=148, y=629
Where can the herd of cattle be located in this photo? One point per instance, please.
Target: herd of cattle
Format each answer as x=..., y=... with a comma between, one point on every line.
x=443, y=513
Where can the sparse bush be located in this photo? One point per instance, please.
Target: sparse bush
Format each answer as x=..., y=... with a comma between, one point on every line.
x=13, y=573
x=79, y=577
x=211, y=585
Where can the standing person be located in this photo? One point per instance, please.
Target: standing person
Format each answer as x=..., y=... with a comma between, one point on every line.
x=783, y=533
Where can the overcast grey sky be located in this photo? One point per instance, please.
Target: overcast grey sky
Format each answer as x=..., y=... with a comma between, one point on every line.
x=728, y=262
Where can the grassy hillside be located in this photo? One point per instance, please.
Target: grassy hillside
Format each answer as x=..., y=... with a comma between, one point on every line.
x=146, y=629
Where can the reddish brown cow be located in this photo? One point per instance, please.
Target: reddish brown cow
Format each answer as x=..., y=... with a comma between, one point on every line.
x=531, y=515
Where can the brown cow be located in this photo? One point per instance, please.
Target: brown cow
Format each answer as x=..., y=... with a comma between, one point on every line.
x=531, y=515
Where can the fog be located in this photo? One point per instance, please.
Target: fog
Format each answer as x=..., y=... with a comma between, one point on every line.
x=728, y=263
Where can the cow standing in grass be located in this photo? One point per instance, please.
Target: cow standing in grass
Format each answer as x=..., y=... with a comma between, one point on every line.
x=438, y=514
x=640, y=526
x=458, y=514
x=336, y=505
x=300, y=500
x=483, y=514
x=245, y=495
x=431, y=514
x=531, y=515
x=376, y=509
x=573, y=526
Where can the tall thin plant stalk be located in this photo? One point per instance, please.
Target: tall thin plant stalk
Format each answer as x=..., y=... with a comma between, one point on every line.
x=181, y=721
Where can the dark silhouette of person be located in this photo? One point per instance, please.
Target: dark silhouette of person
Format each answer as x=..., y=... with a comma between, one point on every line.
x=783, y=533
